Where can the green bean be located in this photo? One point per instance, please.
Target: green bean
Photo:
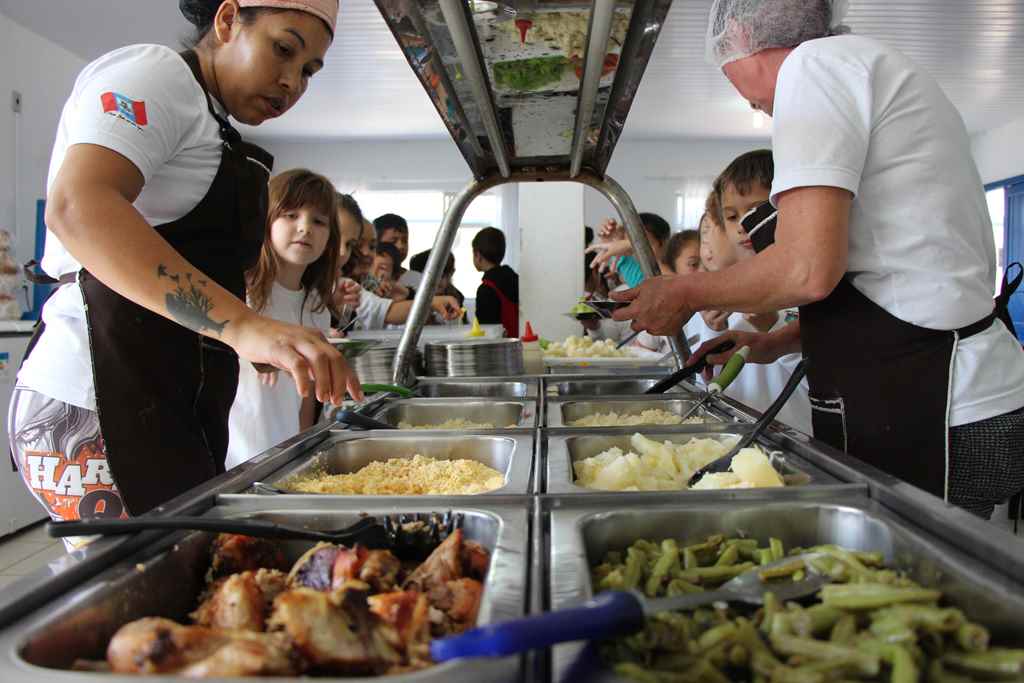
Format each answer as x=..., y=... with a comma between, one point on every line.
x=934, y=618
x=781, y=571
x=844, y=629
x=739, y=655
x=728, y=556
x=766, y=557
x=893, y=630
x=997, y=661
x=718, y=634
x=785, y=674
x=772, y=606
x=613, y=581
x=904, y=669
x=690, y=559
x=867, y=664
x=680, y=586
x=821, y=618
x=638, y=673
x=938, y=674
x=799, y=575
x=972, y=637
x=873, y=595
x=778, y=551
x=635, y=560
x=669, y=559
x=714, y=574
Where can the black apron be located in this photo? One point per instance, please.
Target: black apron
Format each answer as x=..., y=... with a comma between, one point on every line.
x=163, y=392
x=880, y=387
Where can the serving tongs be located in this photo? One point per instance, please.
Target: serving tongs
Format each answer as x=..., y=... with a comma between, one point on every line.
x=686, y=373
x=723, y=463
x=618, y=613
x=401, y=532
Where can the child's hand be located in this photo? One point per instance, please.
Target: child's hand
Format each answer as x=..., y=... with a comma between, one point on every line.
x=762, y=322
x=399, y=292
x=447, y=307
x=611, y=231
x=607, y=251
x=384, y=289
x=347, y=293
x=268, y=379
x=716, y=320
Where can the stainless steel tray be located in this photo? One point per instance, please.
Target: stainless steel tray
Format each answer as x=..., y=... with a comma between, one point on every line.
x=482, y=387
x=605, y=386
x=566, y=446
x=580, y=537
x=166, y=578
x=503, y=414
x=507, y=451
x=561, y=412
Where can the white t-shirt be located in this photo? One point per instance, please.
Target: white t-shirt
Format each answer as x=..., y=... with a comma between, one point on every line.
x=263, y=416
x=853, y=113
x=143, y=102
x=758, y=385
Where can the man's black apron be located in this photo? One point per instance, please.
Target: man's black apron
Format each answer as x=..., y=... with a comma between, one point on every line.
x=880, y=387
x=163, y=392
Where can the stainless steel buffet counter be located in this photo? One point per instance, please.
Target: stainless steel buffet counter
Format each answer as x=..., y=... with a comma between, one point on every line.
x=544, y=530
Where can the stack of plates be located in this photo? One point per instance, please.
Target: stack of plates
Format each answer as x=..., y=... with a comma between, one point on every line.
x=474, y=358
x=374, y=363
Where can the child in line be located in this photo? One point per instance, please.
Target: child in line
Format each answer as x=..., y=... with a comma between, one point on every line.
x=445, y=286
x=745, y=184
x=393, y=229
x=497, y=297
x=293, y=282
x=680, y=257
x=614, y=250
x=365, y=310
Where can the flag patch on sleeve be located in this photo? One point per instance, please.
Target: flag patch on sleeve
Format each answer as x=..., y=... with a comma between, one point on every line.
x=132, y=111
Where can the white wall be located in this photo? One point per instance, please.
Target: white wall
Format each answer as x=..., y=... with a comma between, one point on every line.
x=44, y=73
x=999, y=153
x=654, y=172
x=551, y=270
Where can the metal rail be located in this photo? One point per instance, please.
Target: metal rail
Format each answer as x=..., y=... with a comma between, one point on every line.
x=597, y=43
x=454, y=12
x=612, y=191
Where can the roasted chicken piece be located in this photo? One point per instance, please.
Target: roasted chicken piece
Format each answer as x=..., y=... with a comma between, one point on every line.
x=378, y=568
x=475, y=560
x=315, y=569
x=443, y=565
x=160, y=646
x=235, y=553
x=241, y=601
x=406, y=612
x=333, y=631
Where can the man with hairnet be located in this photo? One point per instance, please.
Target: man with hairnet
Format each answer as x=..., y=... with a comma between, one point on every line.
x=883, y=238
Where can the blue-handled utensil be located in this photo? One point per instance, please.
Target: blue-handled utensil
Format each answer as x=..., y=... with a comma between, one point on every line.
x=617, y=613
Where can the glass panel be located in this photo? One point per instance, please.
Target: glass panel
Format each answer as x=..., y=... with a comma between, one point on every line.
x=997, y=210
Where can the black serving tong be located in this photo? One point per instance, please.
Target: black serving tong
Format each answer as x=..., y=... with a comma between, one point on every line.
x=418, y=532
x=354, y=419
x=686, y=373
x=723, y=463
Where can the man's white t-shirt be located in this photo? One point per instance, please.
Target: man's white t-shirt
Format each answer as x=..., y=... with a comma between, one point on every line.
x=144, y=103
x=263, y=416
x=853, y=113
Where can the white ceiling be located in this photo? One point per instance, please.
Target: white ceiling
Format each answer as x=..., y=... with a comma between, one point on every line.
x=974, y=47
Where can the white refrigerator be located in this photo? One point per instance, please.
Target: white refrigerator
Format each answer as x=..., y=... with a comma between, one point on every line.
x=18, y=508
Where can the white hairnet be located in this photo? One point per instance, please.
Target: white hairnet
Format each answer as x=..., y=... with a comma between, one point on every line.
x=740, y=28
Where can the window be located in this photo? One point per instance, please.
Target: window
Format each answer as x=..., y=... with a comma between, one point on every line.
x=996, y=199
x=424, y=211
x=690, y=202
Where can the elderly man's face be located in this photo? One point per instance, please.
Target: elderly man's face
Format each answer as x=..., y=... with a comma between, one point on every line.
x=754, y=77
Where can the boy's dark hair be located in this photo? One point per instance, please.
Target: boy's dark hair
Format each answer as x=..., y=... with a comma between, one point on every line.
x=418, y=263
x=677, y=243
x=657, y=226
x=390, y=250
x=747, y=170
x=490, y=244
x=390, y=221
x=588, y=235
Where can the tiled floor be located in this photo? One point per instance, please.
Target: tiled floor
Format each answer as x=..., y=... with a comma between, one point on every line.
x=26, y=551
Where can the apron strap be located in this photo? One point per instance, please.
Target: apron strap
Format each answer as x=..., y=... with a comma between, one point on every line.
x=37, y=277
x=1001, y=310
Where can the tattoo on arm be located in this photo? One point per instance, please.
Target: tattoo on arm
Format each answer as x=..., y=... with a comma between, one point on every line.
x=188, y=304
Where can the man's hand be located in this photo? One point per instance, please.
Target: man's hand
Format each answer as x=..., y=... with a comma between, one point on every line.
x=655, y=306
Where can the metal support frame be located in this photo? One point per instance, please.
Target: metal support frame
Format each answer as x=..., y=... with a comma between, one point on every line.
x=597, y=42
x=612, y=191
x=454, y=12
